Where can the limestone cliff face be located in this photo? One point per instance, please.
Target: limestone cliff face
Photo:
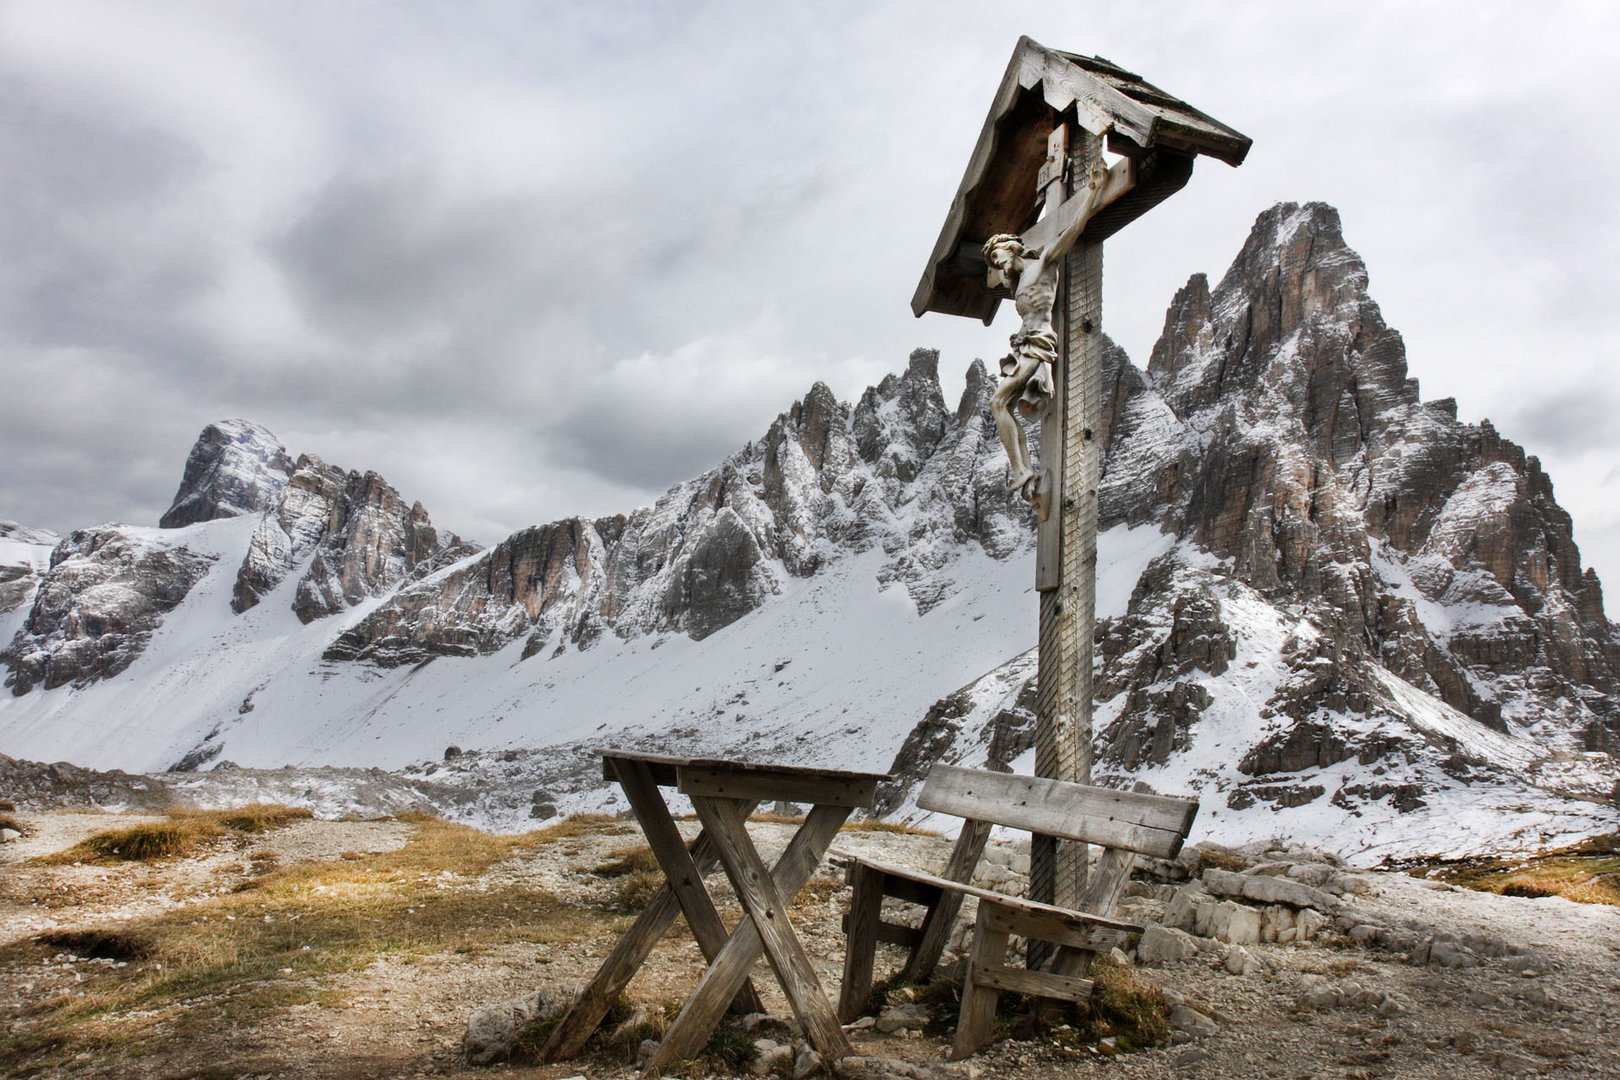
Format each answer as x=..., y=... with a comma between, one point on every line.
x=357, y=534
x=106, y=592
x=24, y=557
x=897, y=472
x=236, y=467
x=92, y=609
x=1277, y=428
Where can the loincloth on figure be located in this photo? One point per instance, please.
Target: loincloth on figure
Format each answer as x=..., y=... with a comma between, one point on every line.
x=1039, y=389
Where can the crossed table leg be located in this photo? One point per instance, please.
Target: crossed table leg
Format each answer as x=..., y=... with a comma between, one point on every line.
x=764, y=895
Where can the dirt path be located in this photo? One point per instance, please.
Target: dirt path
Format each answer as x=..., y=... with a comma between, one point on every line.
x=1540, y=997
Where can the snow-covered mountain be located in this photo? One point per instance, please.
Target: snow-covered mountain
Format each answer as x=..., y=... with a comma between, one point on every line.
x=1328, y=607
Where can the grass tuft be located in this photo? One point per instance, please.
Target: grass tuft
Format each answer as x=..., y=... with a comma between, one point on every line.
x=182, y=832
x=627, y=860
x=1221, y=860
x=9, y=822
x=577, y=825
x=140, y=843
x=1588, y=872
x=638, y=877
x=877, y=825
x=253, y=818
x=771, y=817
x=1125, y=1007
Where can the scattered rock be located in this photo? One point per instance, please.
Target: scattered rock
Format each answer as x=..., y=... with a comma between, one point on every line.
x=908, y=1017
x=1164, y=945
x=876, y=1068
x=770, y=1058
x=1185, y=1018
x=1232, y=923
x=1451, y=954
x=1188, y=1058
x=807, y=1063
x=8, y=836
x=1241, y=961
x=1267, y=889
x=492, y=1032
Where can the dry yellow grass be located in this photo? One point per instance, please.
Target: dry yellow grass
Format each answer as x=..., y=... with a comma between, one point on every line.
x=182, y=832
x=139, y=843
x=877, y=825
x=577, y=825
x=242, y=953
x=252, y=818
x=1588, y=873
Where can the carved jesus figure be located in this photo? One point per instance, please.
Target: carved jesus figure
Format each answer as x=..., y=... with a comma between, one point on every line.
x=1026, y=372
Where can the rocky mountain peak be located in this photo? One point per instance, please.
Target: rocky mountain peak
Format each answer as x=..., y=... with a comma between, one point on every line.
x=235, y=467
x=356, y=533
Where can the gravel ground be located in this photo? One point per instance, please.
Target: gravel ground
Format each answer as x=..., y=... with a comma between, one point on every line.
x=1542, y=997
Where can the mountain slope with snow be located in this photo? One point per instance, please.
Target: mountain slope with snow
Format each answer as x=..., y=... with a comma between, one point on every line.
x=1328, y=607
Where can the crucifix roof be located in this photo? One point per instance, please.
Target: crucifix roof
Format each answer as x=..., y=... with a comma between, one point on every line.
x=1161, y=134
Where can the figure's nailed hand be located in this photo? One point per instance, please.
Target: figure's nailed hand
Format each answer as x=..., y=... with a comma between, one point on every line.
x=1099, y=175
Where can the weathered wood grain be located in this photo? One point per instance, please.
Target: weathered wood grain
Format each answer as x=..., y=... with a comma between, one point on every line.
x=680, y=871
x=697, y=1019
x=861, y=928
x=1040, y=87
x=765, y=784
x=1035, y=983
x=936, y=925
x=1149, y=824
x=1014, y=902
x=978, y=1011
x=766, y=908
x=1076, y=929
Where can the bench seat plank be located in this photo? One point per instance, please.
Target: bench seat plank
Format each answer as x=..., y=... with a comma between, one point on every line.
x=1016, y=903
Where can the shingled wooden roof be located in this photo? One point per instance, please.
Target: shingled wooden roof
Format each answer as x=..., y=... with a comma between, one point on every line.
x=1163, y=136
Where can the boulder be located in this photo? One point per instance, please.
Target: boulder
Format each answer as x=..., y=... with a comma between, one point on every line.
x=1267, y=889
x=494, y=1030
x=1165, y=945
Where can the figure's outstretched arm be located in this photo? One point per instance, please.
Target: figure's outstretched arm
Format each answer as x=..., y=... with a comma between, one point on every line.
x=1094, y=188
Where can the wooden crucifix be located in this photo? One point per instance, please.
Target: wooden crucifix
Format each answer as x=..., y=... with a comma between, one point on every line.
x=1029, y=220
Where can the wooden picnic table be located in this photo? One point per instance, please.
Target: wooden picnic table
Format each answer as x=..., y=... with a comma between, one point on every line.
x=723, y=794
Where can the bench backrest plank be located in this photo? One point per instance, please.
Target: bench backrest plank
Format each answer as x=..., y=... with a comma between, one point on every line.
x=1152, y=825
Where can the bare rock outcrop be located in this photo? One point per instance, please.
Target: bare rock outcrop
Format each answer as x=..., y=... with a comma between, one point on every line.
x=896, y=472
x=107, y=590
x=24, y=557
x=358, y=536
x=1357, y=576
x=236, y=467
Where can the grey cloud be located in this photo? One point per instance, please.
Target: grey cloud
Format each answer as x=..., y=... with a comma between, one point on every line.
x=388, y=254
x=488, y=213
x=1582, y=418
x=102, y=224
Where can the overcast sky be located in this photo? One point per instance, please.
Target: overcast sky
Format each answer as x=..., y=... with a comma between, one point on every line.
x=535, y=259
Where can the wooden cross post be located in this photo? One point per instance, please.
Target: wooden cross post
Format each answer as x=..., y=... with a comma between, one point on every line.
x=1066, y=547
x=1030, y=174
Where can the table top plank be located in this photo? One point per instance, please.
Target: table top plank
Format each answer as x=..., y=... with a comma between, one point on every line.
x=676, y=761
x=768, y=785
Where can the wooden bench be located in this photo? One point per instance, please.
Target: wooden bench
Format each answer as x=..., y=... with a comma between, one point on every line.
x=1123, y=823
